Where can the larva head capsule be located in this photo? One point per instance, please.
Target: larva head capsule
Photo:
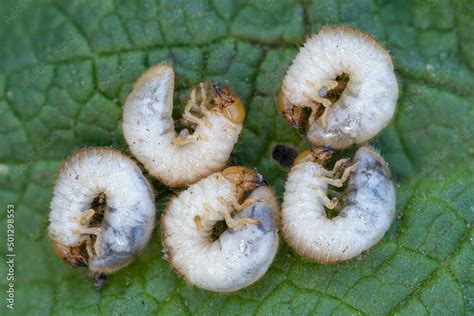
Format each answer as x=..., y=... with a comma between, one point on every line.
x=230, y=104
x=347, y=79
x=292, y=113
x=318, y=154
x=70, y=255
x=244, y=178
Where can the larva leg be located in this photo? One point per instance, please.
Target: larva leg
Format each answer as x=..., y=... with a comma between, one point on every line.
x=191, y=103
x=98, y=242
x=314, y=110
x=204, y=100
x=86, y=216
x=239, y=223
x=198, y=221
x=321, y=91
x=338, y=166
x=348, y=171
x=345, y=175
x=237, y=206
x=233, y=223
x=248, y=202
x=184, y=138
x=89, y=247
x=335, y=194
x=90, y=231
x=328, y=203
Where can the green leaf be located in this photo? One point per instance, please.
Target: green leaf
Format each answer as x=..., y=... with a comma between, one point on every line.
x=67, y=66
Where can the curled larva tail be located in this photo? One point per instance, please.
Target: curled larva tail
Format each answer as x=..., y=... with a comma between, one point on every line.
x=346, y=77
x=242, y=253
x=366, y=207
x=213, y=112
x=102, y=212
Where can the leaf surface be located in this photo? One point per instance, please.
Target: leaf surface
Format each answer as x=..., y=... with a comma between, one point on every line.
x=67, y=66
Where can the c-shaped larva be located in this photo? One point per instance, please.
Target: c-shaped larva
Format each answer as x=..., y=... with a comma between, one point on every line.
x=214, y=112
x=101, y=200
x=242, y=253
x=318, y=76
x=366, y=211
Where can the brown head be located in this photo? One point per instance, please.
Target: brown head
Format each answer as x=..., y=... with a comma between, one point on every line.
x=70, y=255
x=292, y=113
x=319, y=154
x=227, y=102
x=246, y=179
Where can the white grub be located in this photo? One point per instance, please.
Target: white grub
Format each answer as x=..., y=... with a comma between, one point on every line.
x=368, y=101
x=367, y=206
x=128, y=210
x=243, y=252
x=179, y=159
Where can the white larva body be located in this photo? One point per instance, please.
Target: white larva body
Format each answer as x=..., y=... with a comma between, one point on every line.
x=368, y=209
x=149, y=130
x=367, y=103
x=128, y=218
x=238, y=257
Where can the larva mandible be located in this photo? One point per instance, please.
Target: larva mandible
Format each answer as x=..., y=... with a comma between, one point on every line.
x=367, y=101
x=213, y=111
x=114, y=230
x=241, y=254
x=366, y=207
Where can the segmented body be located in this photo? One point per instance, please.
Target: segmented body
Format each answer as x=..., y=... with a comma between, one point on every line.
x=239, y=256
x=128, y=217
x=367, y=209
x=368, y=101
x=149, y=130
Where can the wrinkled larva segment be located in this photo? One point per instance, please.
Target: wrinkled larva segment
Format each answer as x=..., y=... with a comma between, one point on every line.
x=112, y=233
x=241, y=254
x=368, y=101
x=367, y=208
x=184, y=158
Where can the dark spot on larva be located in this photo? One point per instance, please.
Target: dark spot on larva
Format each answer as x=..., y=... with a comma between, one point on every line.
x=323, y=91
x=334, y=94
x=381, y=169
x=77, y=177
x=137, y=232
x=284, y=155
x=264, y=215
x=377, y=192
x=218, y=229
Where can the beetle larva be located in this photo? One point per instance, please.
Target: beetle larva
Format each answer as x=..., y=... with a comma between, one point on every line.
x=213, y=111
x=366, y=211
x=103, y=237
x=243, y=252
x=353, y=111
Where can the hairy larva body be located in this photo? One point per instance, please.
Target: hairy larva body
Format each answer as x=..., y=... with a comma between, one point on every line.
x=366, y=207
x=114, y=232
x=148, y=128
x=243, y=252
x=368, y=99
